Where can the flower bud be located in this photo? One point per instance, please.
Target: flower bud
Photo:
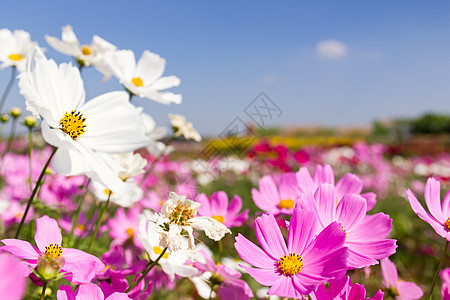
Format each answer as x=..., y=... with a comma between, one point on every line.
x=49, y=267
x=4, y=118
x=15, y=112
x=29, y=121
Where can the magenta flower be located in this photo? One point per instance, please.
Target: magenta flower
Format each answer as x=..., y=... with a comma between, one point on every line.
x=307, y=260
x=445, y=288
x=13, y=284
x=124, y=227
x=343, y=289
x=217, y=208
x=87, y=291
x=275, y=199
x=348, y=184
x=440, y=216
x=366, y=235
x=401, y=290
x=49, y=258
x=228, y=279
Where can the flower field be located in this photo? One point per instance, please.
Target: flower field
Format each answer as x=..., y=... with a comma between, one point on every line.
x=98, y=202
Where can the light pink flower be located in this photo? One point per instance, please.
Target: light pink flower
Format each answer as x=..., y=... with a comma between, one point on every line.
x=87, y=291
x=307, y=260
x=343, y=289
x=13, y=283
x=49, y=255
x=217, y=208
x=366, y=235
x=403, y=290
x=440, y=216
x=124, y=227
x=277, y=199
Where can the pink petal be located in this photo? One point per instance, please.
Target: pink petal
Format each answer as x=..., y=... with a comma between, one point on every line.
x=13, y=283
x=365, y=253
x=47, y=232
x=351, y=210
x=302, y=230
x=446, y=204
x=326, y=203
x=349, y=184
x=235, y=205
x=305, y=283
x=357, y=292
x=264, y=276
x=432, y=195
x=269, y=236
x=118, y=296
x=288, y=186
x=204, y=209
x=252, y=254
x=378, y=295
x=284, y=287
x=265, y=202
x=65, y=292
x=89, y=292
x=373, y=227
x=305, y=181
x=371, y=199
x=219, y=203
x=21, y=249
x=389, y=271
x=323, y=174
x=84, y=266
x=409, y=290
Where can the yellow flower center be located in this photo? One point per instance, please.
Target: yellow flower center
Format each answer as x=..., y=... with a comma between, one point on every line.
x=158, y=251
x=447, y=224
x=53, y=251
x=86, y=50
x=218, y=218
x=107, y=191
x=81, y=227
x=344, y=231
x=286, y=203
x=15, y=57
x=130, y=232
x=137, y=81
x=290, y=264
x=73, y=124
x=181, y=214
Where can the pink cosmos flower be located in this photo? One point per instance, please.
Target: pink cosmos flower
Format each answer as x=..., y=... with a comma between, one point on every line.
x=277, y=199
x=366, y=235
x=348, y=184
x=217, y=208
x=230, y=284
x=440, y=216
x=87, y=291
x=13, y=283
x=124, y=227
x=402, y=290
x=49, y=258
x=343, y=289
x=307, y=260
x=445, y=288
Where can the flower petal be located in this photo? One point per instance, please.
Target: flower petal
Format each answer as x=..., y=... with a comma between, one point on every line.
x=47, y=232
x=390, y=274
x=302, y=230
x=269, y=236
x=21, y=249
x=83, y=266
x=252, y=254
x=432, y=195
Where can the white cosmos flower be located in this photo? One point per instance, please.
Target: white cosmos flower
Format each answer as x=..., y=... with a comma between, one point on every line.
x=154, y=134
x=173, y=263
x=87, y=55
x=180, y=212
x=132, y=164
x=130, y=195
x=14, y=48
x=144, y=77
x=184, y=128
x=83, y=132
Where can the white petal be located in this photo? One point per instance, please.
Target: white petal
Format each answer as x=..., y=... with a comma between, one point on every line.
x=149, y=67
x=213, y=228
x=166, y=82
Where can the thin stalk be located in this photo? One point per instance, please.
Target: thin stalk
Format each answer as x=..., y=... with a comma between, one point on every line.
x=102, y=212
x=36, y=187
x=30, y=149
x=12, y=132
x=146, y=271
x=44, y=288
x=444, y=255
x=77, y=213
x=8, y=87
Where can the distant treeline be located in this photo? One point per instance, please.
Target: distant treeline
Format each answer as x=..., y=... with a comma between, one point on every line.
x=429, y=123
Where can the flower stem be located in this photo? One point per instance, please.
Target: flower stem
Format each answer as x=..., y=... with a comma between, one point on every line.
x=8, y=87
x=100, y=217
x=77, y=213
x=44, y=288
x=36, y=187
x=30, y=149
x=146, y=271
x=11, y=136
x=444, y=255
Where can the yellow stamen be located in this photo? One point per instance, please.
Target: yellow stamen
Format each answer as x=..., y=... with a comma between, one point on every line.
x=290, y=264
x=73, y=124
x=130, y=232
x=158, y=251
x=344, y=231
x=53, y=251
x=81, y=227
x=286, y=203
x=447, y=224
x=137, y=81
x=107, y=191
x=181, y=214
x=86, y=50
x=15, y=57
x=218, y=218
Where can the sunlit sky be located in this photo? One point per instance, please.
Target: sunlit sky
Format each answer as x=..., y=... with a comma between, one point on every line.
x=332, y=63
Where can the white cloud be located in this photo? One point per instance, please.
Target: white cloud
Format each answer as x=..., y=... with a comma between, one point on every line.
x=331, y=49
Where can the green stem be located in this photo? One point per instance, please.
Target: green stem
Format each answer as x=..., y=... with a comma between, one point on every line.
x=11, y=136
x=36, y=187
x=44, y=288
x=146, y=271
x=8, y=87
x=77, y=213
x=444, y=255
x=100, y=217
x=30, y=149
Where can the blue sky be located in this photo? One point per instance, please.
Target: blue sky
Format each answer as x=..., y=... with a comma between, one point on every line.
x=391, y=58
